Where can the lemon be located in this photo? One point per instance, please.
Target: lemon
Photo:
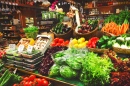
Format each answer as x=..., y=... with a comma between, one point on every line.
x=75, y=45
x=86, y=42
x=80, y=46
x=82, y=39
x=83, y=44
x=79, y=41
x=74, y=41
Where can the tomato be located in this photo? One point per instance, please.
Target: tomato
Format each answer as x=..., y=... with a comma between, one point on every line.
x=26, y=84
x=53, y=44
x=15, y=85
x=61, y=41
x=22, y=82
x=26, y=78
x=62, y=44
x=56, y=40
x=30, y=83
x=58, y=44
x=66, y=42
x=38, y=82
x=32, y=77
x=45, y=83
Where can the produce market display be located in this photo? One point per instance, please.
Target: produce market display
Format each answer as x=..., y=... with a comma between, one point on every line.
x=81, y=47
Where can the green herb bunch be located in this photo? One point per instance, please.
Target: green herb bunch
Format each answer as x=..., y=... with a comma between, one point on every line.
x=31, y=31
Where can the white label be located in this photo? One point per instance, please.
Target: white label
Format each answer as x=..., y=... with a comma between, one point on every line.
x=20, y=48
x=12, y=46
x=30, y=49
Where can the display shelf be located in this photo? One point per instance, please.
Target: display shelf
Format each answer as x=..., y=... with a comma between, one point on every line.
x=6, y=24
x=10, y=36
x=7, y=14
x=99, y=14
x=6, y=19
x=29, y=6
x=8, y=30
x=117, y=5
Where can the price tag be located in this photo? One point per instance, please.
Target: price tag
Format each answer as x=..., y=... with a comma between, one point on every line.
x=30, y=49
x=12, y=46
x=20, y=48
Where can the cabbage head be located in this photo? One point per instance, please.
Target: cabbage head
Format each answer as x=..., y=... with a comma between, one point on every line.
x=54, y=70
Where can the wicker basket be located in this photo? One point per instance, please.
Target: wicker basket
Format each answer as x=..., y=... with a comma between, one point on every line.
x=108, y=34
x=96, y=50
x=66, y=36
x=122, y=51
x=86, y=35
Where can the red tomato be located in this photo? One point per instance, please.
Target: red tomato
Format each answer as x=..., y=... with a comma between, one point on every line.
x=66, y=42
x=30, y=83
x=62, y=44
x=53, y=44
x=32, y=77
x=15, y=84
x=26, y=84
x=56, y=40
x=45, y=83
x=58, y=44
x=38, y=82
x=26, y=78
x=61, y=41
x=22, y=82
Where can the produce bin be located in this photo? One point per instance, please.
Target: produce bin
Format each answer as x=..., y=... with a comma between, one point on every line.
x=86, y=35
x=42, y=43
x=33, y=61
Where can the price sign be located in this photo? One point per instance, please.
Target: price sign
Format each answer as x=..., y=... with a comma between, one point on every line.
x=30, y=49
x=20, y=48
x=12, y=46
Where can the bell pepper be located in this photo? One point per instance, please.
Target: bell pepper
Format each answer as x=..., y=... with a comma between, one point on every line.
x=92, y=42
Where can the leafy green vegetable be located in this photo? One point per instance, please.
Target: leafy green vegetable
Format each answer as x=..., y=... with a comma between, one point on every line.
x=106, y=42
x=60, y=60
x=96, y=70
x=54, y=70
x=73, y=63
x=31, y=31
x=67, y=72
x=118, y=18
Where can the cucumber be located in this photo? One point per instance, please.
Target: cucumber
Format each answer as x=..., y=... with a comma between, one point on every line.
x=6, y=74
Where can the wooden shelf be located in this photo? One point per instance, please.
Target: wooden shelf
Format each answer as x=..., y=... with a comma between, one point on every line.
x=99, y=14
x=6, y=19
x=108, y=6
x=7, y=25
x=6, y=14
x=10, y=36
x=29, y=6
x=7, y=30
